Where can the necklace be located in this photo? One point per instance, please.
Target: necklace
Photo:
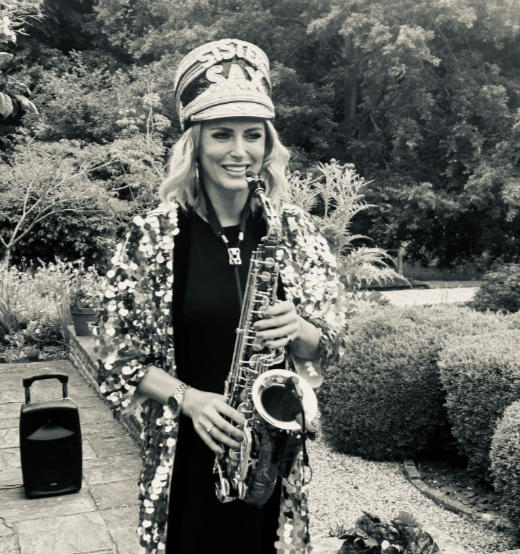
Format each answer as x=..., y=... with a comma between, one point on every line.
x=234, y=253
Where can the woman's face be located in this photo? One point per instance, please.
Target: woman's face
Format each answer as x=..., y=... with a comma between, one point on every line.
x=229, y=148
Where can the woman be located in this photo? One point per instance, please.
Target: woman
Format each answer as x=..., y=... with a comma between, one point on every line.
x=166, y=343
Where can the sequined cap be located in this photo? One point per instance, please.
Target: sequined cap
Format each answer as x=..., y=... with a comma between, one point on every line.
x=224, y=78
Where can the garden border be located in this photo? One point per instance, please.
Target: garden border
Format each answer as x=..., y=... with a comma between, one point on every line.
x=493, y=519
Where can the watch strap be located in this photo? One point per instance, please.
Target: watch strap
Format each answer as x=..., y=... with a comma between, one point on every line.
x=176, y=397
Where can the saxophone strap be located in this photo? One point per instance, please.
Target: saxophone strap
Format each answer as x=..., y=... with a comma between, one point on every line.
x=291, y=387
x=234, y=253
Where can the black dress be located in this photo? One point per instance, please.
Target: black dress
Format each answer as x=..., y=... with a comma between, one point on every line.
x=206, y=314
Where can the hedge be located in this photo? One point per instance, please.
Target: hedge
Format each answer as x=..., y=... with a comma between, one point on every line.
x=501, y=291
x=385, y=401
x=505, y=462
x=481, y=377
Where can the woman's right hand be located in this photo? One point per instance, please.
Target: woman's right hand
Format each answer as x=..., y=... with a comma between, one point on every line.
x=208, y=411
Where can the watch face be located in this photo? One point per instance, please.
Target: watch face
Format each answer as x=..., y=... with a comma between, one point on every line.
x=173, y=403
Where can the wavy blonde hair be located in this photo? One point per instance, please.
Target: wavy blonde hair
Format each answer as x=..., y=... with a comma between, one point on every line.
x=181, y=183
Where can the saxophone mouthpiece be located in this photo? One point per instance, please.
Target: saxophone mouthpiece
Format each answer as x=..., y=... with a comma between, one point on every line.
x=255, y=183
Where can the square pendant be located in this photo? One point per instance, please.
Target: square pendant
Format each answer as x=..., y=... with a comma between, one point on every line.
x=234, y=256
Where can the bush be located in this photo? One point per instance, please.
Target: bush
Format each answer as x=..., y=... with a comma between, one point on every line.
x=29, y=312
x=501, y=292
x=385, y=400
x=481, y=377
x=505, y=462
x=34, y=305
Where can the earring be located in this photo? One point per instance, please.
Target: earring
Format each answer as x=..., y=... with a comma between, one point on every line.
x=197, y=178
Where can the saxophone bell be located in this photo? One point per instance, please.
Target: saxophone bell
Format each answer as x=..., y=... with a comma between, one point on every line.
x=280, y=396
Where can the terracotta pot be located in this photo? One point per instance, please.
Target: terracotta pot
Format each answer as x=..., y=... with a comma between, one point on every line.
x=80, y=318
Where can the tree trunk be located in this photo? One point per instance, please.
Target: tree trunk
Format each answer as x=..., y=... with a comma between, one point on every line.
x=4, y=264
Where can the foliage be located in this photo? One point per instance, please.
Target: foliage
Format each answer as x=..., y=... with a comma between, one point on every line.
x=123, y=176
x=402, y=535
x=333, y=192
x=29, y=309
x=83, y=287
x=13, y=93
x=505, y=462
x=42, y=181
x=473, y=368
x=423, y=97
x=88, y=96
x=501, y=291
x=384, y=401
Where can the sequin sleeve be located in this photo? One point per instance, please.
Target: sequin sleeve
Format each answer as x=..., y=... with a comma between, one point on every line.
x=123, y=345
x=318, y=292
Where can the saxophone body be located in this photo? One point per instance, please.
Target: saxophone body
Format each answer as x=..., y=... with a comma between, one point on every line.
x=275, y=402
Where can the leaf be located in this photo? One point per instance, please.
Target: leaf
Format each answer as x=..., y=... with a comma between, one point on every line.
x=26, y=104
x=6, y=105
x=5, y=57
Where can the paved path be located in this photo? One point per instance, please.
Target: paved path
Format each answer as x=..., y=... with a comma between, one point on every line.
x=102, y=516
x=409, y=297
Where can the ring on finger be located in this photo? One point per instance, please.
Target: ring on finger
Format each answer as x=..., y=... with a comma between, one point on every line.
x=209, y=429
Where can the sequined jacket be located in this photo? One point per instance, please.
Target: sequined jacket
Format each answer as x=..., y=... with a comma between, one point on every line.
x=135, y=330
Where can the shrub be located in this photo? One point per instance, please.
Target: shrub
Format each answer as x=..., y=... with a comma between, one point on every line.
x=402, y=534
x=385, y=400
x=481, y=376
x=29, y=315
x=501, y=292
x=505, y=462
x=34, y=305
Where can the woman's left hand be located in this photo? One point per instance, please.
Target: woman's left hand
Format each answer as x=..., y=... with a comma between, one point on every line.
x=279, y=325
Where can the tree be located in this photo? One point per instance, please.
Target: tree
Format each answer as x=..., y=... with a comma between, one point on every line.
x=426, y=91
x=39, y=183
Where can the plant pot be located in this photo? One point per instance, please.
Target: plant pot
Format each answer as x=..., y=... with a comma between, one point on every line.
x=80, y=318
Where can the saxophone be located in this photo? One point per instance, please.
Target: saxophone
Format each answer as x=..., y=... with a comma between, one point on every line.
x=275, y=402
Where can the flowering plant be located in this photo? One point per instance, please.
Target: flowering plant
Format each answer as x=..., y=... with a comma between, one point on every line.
x=84, y=287
x=402, y=535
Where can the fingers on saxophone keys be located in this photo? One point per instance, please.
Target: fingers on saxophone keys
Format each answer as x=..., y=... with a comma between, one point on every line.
x=207, y=437
x=218, y=436
x=230, y=430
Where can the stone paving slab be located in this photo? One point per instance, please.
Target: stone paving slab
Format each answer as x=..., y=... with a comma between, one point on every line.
x=114, y=495
x=71, y=534
x=16, y=507
x=412, y=297
x=109, y=470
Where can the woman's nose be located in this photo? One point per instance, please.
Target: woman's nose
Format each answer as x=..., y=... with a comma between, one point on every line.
x=238, y=148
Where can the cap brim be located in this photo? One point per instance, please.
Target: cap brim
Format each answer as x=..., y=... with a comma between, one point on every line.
x=234, y=109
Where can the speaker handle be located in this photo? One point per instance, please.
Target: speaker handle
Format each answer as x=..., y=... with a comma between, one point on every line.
x=28, y=381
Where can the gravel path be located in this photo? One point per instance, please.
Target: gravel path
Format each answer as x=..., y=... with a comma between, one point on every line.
x=343, y=486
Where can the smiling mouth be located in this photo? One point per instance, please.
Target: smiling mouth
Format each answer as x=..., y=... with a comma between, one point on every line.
x=238, y=169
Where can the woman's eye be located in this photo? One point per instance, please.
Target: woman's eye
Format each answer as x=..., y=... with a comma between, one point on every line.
x=254, y=136
x=220, y=135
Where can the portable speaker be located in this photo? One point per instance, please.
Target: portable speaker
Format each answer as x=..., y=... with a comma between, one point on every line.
x=50, y=443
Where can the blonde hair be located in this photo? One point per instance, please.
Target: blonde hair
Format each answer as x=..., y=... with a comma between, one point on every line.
x=182, y=184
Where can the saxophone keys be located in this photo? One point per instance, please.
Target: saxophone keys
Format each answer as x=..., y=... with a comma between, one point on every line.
x=241, y=489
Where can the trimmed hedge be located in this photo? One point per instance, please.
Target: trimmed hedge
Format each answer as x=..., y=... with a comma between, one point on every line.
x=505, y=462
x=385, y=400
x=481, y=377
x=501, y=292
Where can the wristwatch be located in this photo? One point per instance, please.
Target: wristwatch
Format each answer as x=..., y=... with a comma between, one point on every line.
x=175, y=399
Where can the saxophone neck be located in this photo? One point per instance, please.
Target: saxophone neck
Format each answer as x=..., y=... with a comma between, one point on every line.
x=258, y=190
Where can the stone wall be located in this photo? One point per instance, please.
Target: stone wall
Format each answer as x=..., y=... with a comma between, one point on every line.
x=81, y=354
